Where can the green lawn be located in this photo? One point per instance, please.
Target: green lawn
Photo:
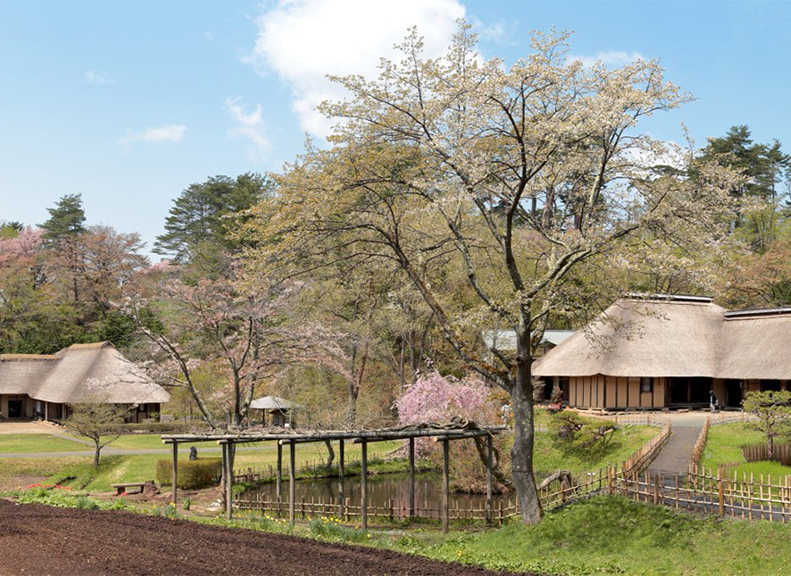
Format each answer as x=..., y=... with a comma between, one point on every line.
x=141, y=467
x=551, y=455
x=616, y=536
x=724, y=446
x=21, y=443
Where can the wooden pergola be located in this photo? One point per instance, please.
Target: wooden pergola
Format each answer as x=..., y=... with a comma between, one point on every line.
x=363, y=437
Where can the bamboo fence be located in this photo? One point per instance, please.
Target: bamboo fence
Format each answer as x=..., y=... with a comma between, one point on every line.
x=700, y=444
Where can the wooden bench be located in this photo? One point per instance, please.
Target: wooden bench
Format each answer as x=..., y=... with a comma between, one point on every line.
x=121, y=488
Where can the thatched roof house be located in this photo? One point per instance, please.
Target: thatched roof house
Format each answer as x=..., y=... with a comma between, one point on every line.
x=33, y=385
x=280, y=410
x=671, y=351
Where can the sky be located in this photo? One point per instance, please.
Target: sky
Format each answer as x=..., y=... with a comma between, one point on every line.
x=128, y=103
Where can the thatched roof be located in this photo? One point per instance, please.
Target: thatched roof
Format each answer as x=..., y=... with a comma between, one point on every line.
x=273, y=403
x=675, y=336
x=505, y=339
x=79, y=373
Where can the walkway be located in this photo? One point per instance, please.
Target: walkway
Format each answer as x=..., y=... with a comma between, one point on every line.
x=673, y=459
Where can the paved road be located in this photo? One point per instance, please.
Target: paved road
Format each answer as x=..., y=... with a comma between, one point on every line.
x=673, y=459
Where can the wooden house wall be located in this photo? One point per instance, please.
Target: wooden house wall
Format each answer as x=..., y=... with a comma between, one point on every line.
x=613, y=392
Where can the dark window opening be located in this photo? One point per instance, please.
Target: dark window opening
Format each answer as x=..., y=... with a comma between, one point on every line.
x=647, y=385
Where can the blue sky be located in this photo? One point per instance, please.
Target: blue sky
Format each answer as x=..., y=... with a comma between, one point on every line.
x=128, y=103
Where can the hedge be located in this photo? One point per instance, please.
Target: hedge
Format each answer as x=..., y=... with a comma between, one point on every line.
x=192, y=474
x=160, y=427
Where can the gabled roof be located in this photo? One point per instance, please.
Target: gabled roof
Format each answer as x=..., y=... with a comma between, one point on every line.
x=273, y=403
x=505, y=339
x=675, y=336
x=79, y=373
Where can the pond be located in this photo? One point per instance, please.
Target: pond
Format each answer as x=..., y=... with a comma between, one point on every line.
x=382, y=489
x=760, y=453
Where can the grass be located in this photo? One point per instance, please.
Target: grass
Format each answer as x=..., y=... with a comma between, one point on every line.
x=141, y=467
x=611, y=535
x=551, y=455
x=28, y=443
x=724, y=445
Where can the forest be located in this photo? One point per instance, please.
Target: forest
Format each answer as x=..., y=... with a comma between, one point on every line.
x=456, y=196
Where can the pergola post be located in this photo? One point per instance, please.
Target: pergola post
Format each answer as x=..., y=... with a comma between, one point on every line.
x=224, y=477
x=292, y=489
x=488, y=478
x=411, y=477
x=364, y=486
x=229, y=482
x=341, y=466
x=279, y=472
x=445, y=483
x=175, y=476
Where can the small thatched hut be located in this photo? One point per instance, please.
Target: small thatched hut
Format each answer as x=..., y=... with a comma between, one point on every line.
x=279, y=410
x=668, y=351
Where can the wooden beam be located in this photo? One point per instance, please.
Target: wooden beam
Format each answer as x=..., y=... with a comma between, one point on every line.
x=364, y=486
x=445, y=484
x=411, y=477
x=292, y=488
x=279, y=471
x=175, y=473
x=489, y=463
x=341, y=471
x=224, y=478
x=229, y=484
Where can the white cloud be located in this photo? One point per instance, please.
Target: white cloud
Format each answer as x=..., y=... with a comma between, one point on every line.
x=608, y=58
x=250, y=126
x=304, y=40
x=168, y=133
x=92, y=77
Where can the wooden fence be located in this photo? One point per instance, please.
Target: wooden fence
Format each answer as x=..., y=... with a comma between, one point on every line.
x=716, y=492
x=700, y=444
x=348, y=511
x=256, y=474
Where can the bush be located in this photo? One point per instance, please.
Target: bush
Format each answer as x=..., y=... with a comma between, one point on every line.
x=159, y=427
x=192, y=474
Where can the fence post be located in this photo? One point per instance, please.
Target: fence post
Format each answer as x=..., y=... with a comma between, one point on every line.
x=721, y=491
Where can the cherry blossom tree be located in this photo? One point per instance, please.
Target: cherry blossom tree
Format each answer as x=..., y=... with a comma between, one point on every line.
x=516, y=175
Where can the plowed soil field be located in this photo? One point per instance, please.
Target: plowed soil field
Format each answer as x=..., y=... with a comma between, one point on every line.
x=43, y=540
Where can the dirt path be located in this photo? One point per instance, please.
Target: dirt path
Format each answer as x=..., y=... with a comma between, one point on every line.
x=42, y=540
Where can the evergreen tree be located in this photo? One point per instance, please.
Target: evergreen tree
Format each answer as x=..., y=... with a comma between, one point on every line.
x=66, y=219
x=203, y=218
x=766, y=169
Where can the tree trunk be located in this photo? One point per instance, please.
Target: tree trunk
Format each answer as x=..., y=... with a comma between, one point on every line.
x=330, y=453
x=96, y=453
x=524, y=434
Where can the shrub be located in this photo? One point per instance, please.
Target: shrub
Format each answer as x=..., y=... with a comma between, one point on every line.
x=159, y=427
x=192, y=474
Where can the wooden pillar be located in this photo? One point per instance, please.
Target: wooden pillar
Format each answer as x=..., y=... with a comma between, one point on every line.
x=292, y=476
x=175, y=476
x=364, y=486
x=229, y=482
x=279, y=472
x=224, y=478
x=411, y=477
x=445, y=483
x=489, y=464
x=341, y=471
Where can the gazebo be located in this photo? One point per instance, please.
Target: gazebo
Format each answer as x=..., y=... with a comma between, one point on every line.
x=278, y=408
